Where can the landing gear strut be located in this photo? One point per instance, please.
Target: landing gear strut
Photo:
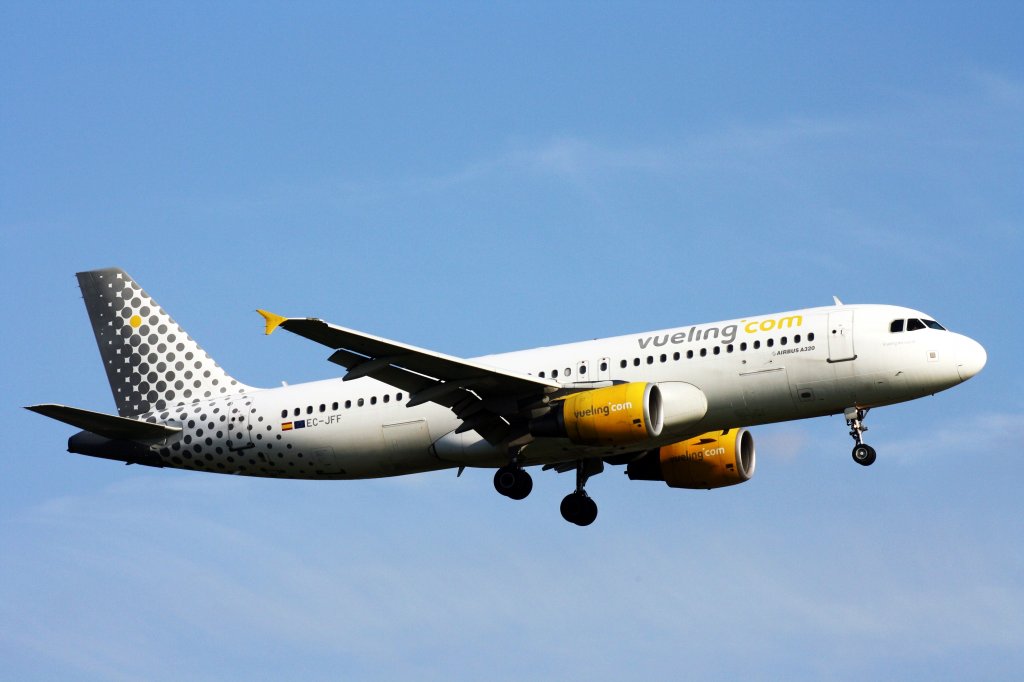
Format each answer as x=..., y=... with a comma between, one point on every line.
x=513, y=481
x=577, y=507
x=863, y=453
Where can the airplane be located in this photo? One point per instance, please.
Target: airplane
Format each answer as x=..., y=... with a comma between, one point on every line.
x=672, y=405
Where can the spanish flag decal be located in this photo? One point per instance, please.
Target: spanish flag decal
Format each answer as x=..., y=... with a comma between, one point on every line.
x=286, y=426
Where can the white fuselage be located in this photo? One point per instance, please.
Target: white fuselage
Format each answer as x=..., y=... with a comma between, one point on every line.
x=755, y=370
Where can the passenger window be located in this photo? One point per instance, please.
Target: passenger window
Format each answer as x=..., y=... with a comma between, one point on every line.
x=689, y=355
x=771, y=342
x=796, y=339
x=373, y=400
x=810, y=337
x=664, y=357
x=703, y=352
x=757, y=344
x=743, y=346
x=783, y=341
x=583, y=370
x=568, y=372
x=348, y=404
x=398, y=397
x=323, y=408
x=284, y=414
x=554, y=374
x=914, y=324
x=650, y=359
x=540, y=374
x=716, y=350
x=636, y=362
x=387, y=398
x=623, y=364
x=309, y=409
x=675, y=356
x=360, y=402
x=297, y=412
x=728, y=349
x=334, y=406
x=604, y=366
x=896, y=326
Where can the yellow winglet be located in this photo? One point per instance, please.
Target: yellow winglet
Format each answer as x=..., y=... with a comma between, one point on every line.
x=273, y=321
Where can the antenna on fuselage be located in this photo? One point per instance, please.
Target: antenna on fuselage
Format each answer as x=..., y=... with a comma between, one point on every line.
x=836, y=299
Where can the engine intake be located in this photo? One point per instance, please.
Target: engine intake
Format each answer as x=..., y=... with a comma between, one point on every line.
x=711, y=460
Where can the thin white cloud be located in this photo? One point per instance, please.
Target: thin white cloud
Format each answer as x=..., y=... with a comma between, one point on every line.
x=999, y=87
x=993, y=432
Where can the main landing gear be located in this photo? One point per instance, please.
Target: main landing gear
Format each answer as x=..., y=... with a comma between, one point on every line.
x=863, y=453
x=513, y=481
x=577, y=507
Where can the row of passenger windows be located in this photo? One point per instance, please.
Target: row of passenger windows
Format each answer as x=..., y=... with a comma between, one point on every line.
x=335, y=406
x=913, y=324
x=703, y=352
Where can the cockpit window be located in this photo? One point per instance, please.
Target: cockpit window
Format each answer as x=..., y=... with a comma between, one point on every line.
x=932, y=324
x=896, y=326
x=914, y=324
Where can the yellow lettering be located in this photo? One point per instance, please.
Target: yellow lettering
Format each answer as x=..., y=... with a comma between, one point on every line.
x=770, y=324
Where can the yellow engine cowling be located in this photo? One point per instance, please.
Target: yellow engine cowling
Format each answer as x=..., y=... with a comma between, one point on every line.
x=711, y=460
x=614, y=415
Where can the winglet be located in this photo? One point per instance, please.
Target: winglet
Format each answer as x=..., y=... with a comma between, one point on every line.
x=834, y=298
x=273, y=321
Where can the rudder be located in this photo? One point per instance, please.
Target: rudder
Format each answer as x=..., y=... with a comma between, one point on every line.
x=151, y=363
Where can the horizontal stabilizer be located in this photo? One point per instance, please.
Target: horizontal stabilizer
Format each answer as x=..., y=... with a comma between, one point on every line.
x=106, y=425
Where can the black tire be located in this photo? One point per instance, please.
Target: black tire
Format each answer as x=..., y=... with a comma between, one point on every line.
x=578, y=508
x=570, y=507
x=864, y=454
x=505, y=480
x=513, y=482
x=588, y=512
x=522, y=486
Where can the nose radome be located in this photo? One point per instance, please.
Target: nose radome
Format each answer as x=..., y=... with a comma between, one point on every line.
x=970, y=358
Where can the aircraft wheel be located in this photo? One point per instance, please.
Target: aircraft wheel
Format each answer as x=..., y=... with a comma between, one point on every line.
x=864, y=454
x=513, y=482
x=523, y=485
x=578, y=508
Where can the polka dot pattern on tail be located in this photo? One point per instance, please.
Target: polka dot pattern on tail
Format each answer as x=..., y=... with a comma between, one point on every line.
x=151, y=363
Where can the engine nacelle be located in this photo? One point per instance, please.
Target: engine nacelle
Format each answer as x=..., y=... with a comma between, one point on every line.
x=711, y=460
x=614, y=415
x=683, y=406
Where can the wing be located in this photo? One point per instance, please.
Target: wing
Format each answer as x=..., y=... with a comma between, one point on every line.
x=492, y=401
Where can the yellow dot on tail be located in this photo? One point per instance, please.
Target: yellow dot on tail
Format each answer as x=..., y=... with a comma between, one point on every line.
x=135, y=321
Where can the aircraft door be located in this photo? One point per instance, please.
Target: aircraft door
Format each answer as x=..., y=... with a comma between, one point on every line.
x=239, y=430
x=584, y=370
x=407, y=445
x=604, y=369
x=840, y=336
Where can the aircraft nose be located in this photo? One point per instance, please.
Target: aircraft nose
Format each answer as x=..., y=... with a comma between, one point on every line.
x=970, y=358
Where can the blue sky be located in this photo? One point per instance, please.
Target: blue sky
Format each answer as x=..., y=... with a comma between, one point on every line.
x=476, y=179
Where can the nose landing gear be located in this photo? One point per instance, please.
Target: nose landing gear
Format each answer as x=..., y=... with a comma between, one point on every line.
x=863, y=453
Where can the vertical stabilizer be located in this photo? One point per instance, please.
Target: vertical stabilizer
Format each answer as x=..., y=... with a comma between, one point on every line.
x=152, y=364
